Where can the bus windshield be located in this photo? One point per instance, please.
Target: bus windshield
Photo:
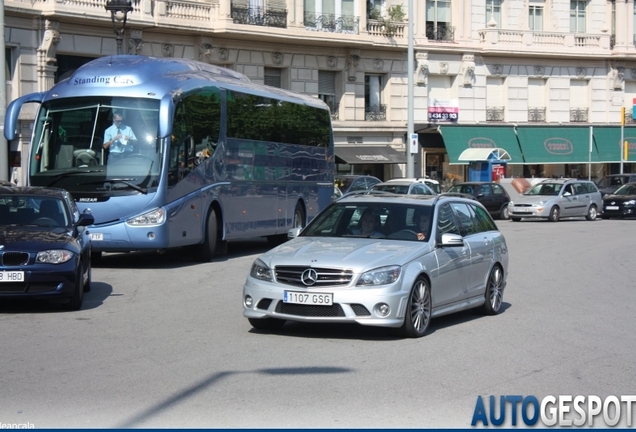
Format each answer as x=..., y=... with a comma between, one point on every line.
x=97, y=144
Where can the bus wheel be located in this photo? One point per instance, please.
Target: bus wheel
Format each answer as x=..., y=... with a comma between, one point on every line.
x=298, y=222
x=205, y=252
x=299, y=217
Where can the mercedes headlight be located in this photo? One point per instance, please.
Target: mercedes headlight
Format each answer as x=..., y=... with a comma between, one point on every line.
x=380, y=276
x=260, y=271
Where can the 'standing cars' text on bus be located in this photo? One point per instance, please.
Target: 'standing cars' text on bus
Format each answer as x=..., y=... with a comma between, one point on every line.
x=210, y=156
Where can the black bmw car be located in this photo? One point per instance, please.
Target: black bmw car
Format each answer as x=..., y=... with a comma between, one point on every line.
x=44, y=246
x=622, y=203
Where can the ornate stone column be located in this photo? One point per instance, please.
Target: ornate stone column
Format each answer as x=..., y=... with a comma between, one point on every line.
x=46, y=61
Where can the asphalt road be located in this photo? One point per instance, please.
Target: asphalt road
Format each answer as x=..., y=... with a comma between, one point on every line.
x=161, y=342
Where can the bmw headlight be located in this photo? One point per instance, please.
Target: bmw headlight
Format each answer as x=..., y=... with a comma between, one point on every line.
x=153, y=217
x=53, y=256
x=260, y=271
x=380, y=276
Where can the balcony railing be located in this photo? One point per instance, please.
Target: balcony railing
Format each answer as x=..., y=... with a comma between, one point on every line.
x=259, y=16
x=495, y=114
x=579, y=115
x=393, y=29
x=534, y=40
x=375, y=113
x=536, y=115
x=440, y=33
x=332, y=23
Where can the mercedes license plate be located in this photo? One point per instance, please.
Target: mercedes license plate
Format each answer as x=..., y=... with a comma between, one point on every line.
x=611, y=207
x=97, y=236
x=11, y=276
x=321, y=299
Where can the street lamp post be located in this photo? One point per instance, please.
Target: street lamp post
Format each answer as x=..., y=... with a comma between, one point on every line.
x=119, y=12
x=410, y=123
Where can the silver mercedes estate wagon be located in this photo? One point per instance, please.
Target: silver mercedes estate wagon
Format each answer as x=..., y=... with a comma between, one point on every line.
x=388, y=260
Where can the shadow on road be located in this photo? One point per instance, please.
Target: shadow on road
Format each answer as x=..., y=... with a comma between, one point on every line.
x=93, y=299
x=183, y=395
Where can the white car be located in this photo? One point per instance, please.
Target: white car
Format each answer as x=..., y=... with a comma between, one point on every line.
x=432, y=184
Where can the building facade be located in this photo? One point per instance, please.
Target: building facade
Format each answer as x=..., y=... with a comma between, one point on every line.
x=546, y=80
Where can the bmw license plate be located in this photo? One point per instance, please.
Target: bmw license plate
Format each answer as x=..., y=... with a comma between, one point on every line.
x=97, y=236
x=321, y=299
x=611, y=207
x=11, y=276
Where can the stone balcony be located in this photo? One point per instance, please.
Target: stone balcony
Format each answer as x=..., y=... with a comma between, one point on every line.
x=535, y=42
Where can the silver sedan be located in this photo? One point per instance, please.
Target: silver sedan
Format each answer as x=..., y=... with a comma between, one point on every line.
x=391, y=261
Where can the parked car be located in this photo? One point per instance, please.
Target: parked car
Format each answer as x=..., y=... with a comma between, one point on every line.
x=337, y=193
x=622, y=203
x=353, y=183
x=432, y=184
x=492, y=195
x=330, y=272
x=558, y=198
x=611, y=182
x=403, y=187
x=44, y=246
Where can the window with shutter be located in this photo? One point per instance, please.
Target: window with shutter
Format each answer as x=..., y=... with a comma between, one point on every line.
x=273, y=77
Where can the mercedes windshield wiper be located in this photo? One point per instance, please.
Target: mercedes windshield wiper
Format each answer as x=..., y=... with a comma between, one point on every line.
x=125, y=181
x=59, y=177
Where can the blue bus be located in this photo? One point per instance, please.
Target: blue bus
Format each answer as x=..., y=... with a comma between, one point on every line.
x=203, y=156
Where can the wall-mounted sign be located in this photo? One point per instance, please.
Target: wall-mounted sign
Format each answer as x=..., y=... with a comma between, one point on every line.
x=443, y=110
x=414, y=144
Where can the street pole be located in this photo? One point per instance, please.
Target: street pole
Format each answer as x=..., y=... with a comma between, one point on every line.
x=410, y=128
x=119, y=43
x=4, y=146
x=589, y=169
x=620, y=146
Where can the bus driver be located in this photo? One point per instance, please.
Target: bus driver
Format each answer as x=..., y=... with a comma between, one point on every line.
x=119, y=138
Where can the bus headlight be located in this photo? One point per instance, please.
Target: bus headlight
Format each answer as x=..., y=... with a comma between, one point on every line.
x=153, y=217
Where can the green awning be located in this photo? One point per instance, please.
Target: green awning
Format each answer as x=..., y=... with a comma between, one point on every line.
x=556, y=145
x=459, y=138
x=608, y=143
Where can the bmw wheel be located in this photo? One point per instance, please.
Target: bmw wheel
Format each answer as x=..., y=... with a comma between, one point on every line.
x=76, y=300
x=494, y=291
x=418, y=312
